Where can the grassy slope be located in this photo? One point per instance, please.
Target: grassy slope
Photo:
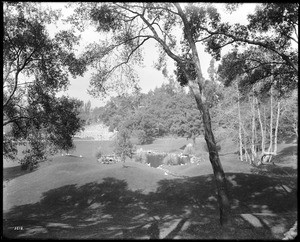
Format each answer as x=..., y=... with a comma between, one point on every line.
x=69, y=170
x=24, y=195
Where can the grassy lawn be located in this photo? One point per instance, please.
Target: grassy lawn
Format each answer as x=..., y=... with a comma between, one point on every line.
x=78, y=198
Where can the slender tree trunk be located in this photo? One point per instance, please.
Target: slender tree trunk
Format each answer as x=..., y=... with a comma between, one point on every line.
x=245, y=149
x=247, y=156
x=265, y=128
x=262, y=131
x=276, y=128
x=253, y=148
x=271, y=122
x=194, y=139
x=295, y=126
x=240, y=127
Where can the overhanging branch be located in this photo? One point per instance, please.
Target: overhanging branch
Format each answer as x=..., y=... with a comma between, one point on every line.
x=254, y=42
x=129, y=56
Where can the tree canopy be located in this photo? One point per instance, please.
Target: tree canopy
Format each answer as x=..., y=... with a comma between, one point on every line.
x=35, y=68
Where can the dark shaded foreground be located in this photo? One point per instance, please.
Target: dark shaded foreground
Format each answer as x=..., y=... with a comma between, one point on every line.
x=263, y=207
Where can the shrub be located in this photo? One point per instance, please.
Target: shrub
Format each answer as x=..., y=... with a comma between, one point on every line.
x=31, y=159
x=99, y=153
x=155, y=159
x=196, y=159
x=123, y=146
x=171, y=159
x=143, y=137
x=184, y=160
x=175, y=159
x=188, y=150
x=140, y=156
x=34, y=154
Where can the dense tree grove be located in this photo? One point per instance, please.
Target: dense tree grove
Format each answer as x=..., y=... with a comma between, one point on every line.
x=167, y=110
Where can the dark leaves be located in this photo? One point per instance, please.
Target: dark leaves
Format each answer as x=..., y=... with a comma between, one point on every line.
x=105, y=18
x=200, y=17
x=181, y=71
x=231, y=66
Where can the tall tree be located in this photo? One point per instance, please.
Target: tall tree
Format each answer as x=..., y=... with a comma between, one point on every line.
x=129, y=26
x=123, y=146
x=211, y=70
x=36, y=67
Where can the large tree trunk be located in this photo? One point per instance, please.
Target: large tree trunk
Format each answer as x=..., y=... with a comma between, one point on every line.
x=196, y=85
x=221, y=182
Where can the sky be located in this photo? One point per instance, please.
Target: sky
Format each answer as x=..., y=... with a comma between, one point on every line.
x=150, y=78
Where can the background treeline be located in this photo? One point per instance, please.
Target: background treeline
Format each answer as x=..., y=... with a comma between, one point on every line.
x=167, y=110
x=255, y=118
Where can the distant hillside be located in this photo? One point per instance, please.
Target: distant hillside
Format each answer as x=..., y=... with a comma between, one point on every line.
x=96, y=132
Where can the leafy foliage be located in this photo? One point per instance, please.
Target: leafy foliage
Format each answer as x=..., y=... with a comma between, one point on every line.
x=36, y=67
x=105, y=17
x=256, y=65
x=289, y=116
x=272, y=28
x=167, y=110
x=123, y=145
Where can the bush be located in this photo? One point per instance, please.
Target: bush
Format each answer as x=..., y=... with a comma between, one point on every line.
x=184, y=160
x=188, y=150
x=123, y=146
x=98, y=153
x=171, y=159
x=31, y=160
x=155, y=159
x=34, y=154
x=174, y=160
x=140, y=156
x=143, y=138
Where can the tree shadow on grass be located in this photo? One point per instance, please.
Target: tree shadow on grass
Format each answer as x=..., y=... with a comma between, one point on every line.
x=10, y=173
x=274, y=170
x=290, y=139
x=286, y=152
x=179, y=208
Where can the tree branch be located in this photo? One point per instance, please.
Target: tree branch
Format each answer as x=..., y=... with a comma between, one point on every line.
x=26, y=61
x=193, y=47
x=14, y=120
x=159, y=40
x=8, y=72
x=128, y=58
x=253, y=42
x=156, y=37
x=205, y=38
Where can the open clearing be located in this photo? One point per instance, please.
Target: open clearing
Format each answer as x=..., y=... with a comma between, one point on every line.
x=69, y=197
